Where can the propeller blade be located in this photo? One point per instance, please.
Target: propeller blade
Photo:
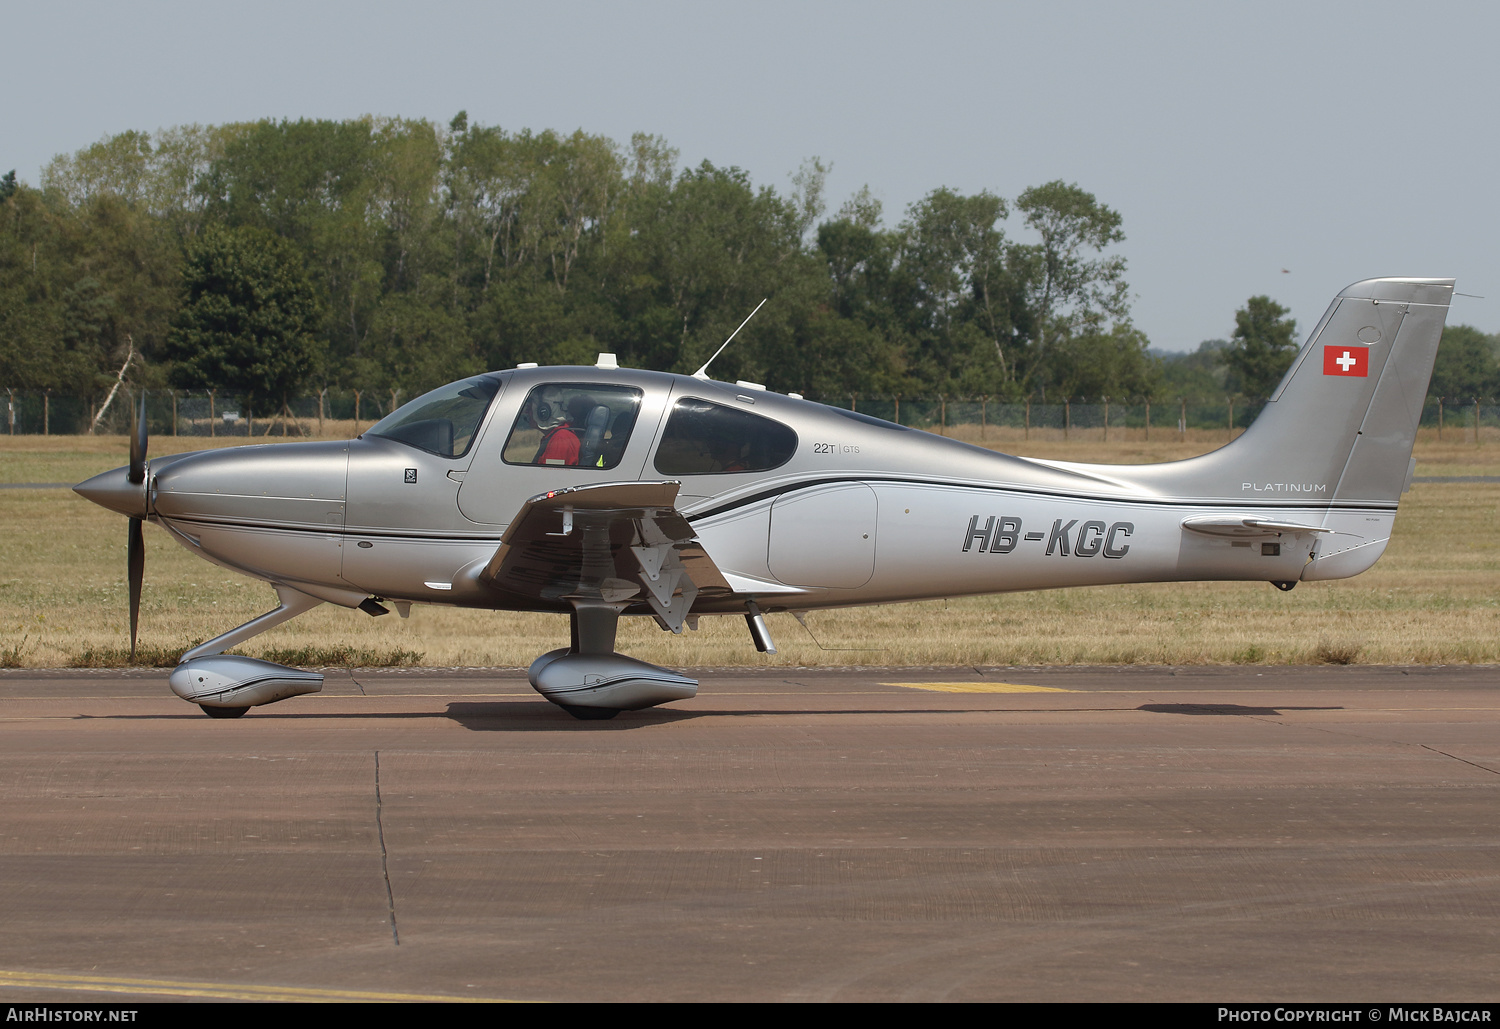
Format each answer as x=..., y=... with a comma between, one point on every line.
x=135, y=560
x=138, y=444
x=135, y=548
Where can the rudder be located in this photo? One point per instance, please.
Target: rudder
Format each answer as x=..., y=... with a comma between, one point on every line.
x=1341, y=424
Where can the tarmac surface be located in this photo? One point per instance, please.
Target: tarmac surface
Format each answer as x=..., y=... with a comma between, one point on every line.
x=1203, y=834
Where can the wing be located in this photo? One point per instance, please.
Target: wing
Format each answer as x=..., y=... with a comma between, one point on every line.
x=620, y=542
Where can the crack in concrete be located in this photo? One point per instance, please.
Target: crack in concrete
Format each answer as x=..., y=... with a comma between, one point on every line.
x=385, y=868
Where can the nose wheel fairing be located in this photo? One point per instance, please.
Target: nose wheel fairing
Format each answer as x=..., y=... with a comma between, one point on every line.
x=226, y=685
x=230, y=682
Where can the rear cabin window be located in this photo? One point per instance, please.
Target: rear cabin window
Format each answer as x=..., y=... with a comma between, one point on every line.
x=704, y=438
x=573, y=425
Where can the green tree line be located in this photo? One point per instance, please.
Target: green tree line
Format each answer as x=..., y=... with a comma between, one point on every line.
x=269, y=258
x=1252, y=361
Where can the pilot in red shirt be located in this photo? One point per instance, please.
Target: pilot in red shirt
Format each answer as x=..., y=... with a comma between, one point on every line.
x=559, y=446
x=560, y=443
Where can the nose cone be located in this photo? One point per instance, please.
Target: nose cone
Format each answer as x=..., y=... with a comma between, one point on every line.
x=115, y=491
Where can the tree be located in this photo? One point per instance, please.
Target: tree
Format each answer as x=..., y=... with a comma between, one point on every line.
x=809, y=182
x=1466, y=365
x=705, y=253
x=415, y=344
x=1100, y=364
x=314, y=184
x=952, y=260
x=247, y=317
x=1261, y=348
x=1067, y=292
x=1196, y=373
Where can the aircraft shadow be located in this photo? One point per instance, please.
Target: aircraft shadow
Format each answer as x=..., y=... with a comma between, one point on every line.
x=540, y=716
x=1226, y=709
x=544, y=717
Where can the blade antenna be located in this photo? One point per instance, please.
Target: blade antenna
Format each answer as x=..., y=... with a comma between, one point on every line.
x=702, y=373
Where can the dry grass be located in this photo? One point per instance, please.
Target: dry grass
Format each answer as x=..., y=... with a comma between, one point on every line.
x=1433, y=598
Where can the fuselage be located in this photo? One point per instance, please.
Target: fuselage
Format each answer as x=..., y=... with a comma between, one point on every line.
x=852, y=510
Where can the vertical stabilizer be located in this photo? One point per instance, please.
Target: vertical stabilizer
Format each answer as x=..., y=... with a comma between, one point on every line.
x=1341, y=425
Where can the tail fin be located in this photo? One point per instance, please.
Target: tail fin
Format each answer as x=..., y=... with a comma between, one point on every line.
x=1341, y=425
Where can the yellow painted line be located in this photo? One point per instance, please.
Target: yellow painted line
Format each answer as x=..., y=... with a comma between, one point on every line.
x=977, y=687
x=217, y=991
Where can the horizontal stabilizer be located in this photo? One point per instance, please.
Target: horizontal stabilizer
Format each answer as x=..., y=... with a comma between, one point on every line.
x=1244, y=526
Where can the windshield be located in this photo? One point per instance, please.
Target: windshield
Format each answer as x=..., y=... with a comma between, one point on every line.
x=444, y=421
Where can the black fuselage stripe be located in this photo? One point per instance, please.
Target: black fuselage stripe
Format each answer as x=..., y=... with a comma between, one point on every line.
x=315, y=530
x=793, y=487
x=755, y=498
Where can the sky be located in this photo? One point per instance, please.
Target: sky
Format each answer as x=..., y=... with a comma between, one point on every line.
x=1286, y=149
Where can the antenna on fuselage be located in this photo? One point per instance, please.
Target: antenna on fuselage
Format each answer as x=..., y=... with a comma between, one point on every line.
x=702, y=373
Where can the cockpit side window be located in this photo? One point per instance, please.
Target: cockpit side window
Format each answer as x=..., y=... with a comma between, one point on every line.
x=444, y=421
x=574, y=425
x=703, y=438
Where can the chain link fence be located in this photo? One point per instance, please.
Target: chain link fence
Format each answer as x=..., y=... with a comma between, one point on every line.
x=197, y=413
x=979, y=419
x=344, y=413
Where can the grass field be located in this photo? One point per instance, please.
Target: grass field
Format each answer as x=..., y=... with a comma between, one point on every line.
x=1433, y=598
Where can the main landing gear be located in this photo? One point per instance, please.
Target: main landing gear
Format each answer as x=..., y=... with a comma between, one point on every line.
x=592, y=682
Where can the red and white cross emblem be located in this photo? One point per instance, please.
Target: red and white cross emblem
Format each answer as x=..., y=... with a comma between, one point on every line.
x=1346, y=361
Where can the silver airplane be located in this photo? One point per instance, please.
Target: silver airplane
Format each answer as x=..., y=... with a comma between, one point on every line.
x=603, y=491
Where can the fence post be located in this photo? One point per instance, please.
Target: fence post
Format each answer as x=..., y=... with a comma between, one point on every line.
x=854, y=401
x=1067, y=417
x=211, y=416
x=1148, y=421
x=942, y=415
x=1231, y=416
x=1476, y=422
x=1182, y=419
x=982, y=402
x=321, y=394
x=1440, y=419
x=898, y=409
x=1106, y=419
x=174, y=411
x=1028, y=420
x=10, y=407
x=46, y=412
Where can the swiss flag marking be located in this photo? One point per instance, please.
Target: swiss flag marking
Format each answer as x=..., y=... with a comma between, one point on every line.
x=1346, y=361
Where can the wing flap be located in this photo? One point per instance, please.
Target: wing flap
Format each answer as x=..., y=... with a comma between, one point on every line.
x=622, y=542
